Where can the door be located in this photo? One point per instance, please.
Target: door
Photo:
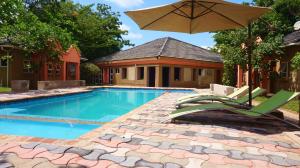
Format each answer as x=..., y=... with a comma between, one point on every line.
x=166, y=76
x=219, y=77
x=151, y=76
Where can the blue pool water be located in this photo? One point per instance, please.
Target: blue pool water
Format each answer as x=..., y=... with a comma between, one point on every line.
x=100, y=105
x=44, y=129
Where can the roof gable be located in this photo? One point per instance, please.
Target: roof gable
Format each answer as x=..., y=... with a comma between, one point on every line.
x=167, y=47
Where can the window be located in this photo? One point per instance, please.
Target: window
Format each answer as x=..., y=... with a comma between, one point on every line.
x=117, y=70
x=54, y=71
x=111, y=75
x=140, y=73
x=50, y=69
x=208, y=72
x=3, y=63
x=124, y=73
x=200, y=72
x=177, y=74
x=194, y=75
x=284, y=70
x=57, y=70
x=27, y=66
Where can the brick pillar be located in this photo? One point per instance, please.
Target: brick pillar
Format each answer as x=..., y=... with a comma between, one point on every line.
x=64, y=71
x=239, y=77
x=77, y=71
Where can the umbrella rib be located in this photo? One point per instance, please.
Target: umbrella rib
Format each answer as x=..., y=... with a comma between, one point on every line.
x=181, y=15
x=161, y=17
x=222, y=15
x=186, y=15
x=207, y=11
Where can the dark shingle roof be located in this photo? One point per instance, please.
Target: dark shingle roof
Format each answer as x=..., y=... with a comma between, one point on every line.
x=168, y=47
x=292, y=38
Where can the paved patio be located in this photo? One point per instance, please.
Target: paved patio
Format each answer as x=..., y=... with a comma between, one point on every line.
x=140, y=139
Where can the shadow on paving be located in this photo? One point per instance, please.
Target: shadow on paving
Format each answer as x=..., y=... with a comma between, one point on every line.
x=262, y=125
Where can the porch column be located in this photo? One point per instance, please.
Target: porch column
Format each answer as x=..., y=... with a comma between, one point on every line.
x=158, y=76
x=239, y=77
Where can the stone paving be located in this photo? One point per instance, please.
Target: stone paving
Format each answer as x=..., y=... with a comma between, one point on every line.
x=141, y=139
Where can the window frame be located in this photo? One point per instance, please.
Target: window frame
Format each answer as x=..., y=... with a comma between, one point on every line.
x=124, y=73
x=286, y=71
x=140, y=73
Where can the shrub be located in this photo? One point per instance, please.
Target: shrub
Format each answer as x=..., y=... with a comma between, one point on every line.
x=296, y=61
x=90, y=73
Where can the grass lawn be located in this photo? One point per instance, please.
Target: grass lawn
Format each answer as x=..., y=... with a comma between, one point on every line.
x=4, y=89
x=292, y=105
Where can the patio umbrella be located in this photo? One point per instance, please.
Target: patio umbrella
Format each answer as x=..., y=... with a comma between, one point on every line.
x=195, y=16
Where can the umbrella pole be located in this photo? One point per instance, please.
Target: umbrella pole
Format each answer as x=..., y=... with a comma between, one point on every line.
x=249, y=53
x=299, y=110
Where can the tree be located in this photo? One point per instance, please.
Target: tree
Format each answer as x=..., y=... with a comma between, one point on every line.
x=270, y=29
x=28, y=33
x=96, y=30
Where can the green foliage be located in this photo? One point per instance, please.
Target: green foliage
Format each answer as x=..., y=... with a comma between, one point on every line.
x=28, y=33
x=96, y=29
x=270, y=28
x=88, y=72
x=51, y=26
x=296, y=61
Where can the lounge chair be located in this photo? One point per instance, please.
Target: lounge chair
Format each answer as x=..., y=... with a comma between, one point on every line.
x=230, y=101
x=263, y=109
x=230, y=96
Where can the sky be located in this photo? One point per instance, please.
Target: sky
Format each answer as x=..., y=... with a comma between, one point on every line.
x=137, y=36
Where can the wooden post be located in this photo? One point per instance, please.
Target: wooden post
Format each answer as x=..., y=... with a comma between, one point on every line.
x=249, y=53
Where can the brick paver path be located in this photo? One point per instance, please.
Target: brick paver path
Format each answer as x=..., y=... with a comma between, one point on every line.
x=142, y=140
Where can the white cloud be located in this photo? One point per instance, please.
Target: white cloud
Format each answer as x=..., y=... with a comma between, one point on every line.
x=124, y=27
x=127, y=3
x=130, y=35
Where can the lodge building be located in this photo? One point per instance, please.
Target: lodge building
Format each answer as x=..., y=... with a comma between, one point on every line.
x=164, y=62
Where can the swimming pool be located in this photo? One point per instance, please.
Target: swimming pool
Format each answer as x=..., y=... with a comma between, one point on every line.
x=53, y=130
x=100, y=105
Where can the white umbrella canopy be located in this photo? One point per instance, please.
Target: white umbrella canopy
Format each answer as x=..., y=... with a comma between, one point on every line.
x=195, y=16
